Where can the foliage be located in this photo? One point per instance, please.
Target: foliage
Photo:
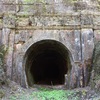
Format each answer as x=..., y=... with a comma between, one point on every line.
x=3, y=50
x=95, y=77
x=52, y=94
x=2, y=54
x=46, y=94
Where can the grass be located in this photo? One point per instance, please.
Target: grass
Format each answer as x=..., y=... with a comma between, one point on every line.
x=52, y=95
x=45, y=94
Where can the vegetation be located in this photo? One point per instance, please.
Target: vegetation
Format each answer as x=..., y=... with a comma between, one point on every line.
x=2, y=53
x=52, y=94
x=33, y=1
x=46, y=94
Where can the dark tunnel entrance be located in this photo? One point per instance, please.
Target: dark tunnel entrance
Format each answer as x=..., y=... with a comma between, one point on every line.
x=49, y=68
x=47, y=62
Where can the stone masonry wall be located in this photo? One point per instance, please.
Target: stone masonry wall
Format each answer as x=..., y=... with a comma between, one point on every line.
x=23, y=23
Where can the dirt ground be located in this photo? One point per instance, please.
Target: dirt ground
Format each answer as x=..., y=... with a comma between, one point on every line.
x=16, y=92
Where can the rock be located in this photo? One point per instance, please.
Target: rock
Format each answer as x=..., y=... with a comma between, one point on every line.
x=96, y=67
x=2, y=93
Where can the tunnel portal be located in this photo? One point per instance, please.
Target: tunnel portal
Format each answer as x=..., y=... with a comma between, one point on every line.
x=46, y=63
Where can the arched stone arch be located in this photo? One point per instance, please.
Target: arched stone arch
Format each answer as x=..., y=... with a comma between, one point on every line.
x=44, y=36
x=21, y=59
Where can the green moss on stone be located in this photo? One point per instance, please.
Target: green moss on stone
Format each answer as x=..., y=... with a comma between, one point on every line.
x=33, y=1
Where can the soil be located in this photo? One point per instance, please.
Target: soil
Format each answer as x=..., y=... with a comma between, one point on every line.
x=14, y=91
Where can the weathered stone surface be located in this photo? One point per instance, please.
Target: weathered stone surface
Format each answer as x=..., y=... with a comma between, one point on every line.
x=95, y=82
x=1, y=6
x=24, y=23
x=72, y=40
x=9, y=55
x=62, y=6
x=96, y=36
x=0, y=37
x=70, y=19
x=87, y=43
x=9, y=8
x=42, y=8
x=80, y=6
x=9, y=1
x=14, y=70
x=36, y=1
x=23, y=35
x=9, y=21
x=5, y=36
x=86, y=19
x=96, y=18
x=0, y=23
x=77, y=45
x=31, y=9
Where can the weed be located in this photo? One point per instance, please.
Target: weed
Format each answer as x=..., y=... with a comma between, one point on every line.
x=51, y=94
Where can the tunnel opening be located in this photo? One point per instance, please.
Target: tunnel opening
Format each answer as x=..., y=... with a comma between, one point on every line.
x=49, y=68
x=47, y=62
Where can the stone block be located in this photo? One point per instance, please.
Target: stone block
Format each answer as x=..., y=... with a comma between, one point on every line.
x=9, y=1
x=95, y=81
x=17, y=61
x=34, y=1
x=9, y=21
x=25, y=1
x=62, y=7
x=9, y=55
x=22, y=22
x=49, y=9
x=22, y=36
x=5, y=35
x=45, y=21
x=31, y=9
x=77, y=45
x=96, y=36
x=96, y=19
x=72, y=40
x=49, y=6
x=9, y=8
x=49, y=20
x=42, y=8
x=73, y=19
x=86, y=20
x=87, y=40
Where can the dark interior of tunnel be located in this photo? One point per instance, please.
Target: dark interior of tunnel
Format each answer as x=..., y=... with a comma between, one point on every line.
x=47, y=63
x=49, y=68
